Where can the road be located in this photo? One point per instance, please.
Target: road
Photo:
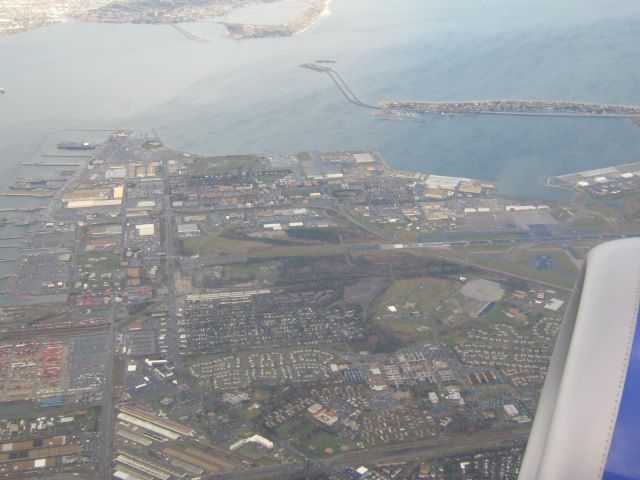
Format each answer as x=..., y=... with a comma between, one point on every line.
x=343, y=212
x=181, y=369
x=283, y=470
x=106, y=413
x=104, y=450
x=433, y=447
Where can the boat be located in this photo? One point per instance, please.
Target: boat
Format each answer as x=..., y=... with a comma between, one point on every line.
x=21, y=186
x=76, y=146
x=23, y=223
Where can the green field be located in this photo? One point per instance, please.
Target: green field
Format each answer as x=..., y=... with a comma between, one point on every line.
x=98, y=262
x=217, y=244
x=593, y=223
x=560, y=257
x=419, y=304
x=313, y=437
x=558, y=279
x=249, y=271
x=497, y=315
x=300, y=251
x=426, y=293
x=231, y=164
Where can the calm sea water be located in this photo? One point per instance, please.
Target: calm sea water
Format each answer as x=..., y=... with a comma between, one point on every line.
x=225, y=96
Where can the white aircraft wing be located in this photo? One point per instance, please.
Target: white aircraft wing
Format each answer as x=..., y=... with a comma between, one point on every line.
x=587, y=425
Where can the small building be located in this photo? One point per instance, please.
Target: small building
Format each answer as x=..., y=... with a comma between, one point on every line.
x=146, y=229
x=511, y=410
x=188, y=229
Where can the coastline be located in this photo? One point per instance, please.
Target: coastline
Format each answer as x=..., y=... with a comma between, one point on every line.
x=325, y=12
x=296, y=26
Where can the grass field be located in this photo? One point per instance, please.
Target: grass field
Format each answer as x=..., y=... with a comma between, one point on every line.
x=556, y=278
x=560, y=257
x=497, y=315
x=299, y=251
x=98, y=262
x=426, y=293
x=249, y=271
x=217, y=244
x=313, y=437
x=593, y=223
x=419, y=304
x=225, y=165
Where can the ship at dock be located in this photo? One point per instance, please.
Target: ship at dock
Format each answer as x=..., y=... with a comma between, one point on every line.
x=31, y=184
x=76, y=146
x=23, y=223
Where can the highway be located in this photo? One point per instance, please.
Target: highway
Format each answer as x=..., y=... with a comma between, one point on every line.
x=433, y=447
x=181, y=369
x=530, y=239
x=283, y=470
x=104, y=454
x=107, y=411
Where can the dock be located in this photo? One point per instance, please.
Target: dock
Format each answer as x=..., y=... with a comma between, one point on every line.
x=51, y=164
x=61, y=155
x=21, y=209
x=37, y=194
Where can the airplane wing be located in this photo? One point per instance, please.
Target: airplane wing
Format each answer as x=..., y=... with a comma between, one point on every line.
x=587, y=425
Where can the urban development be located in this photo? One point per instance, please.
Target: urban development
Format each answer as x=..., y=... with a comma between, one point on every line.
x=315, y=315
x=17, y=16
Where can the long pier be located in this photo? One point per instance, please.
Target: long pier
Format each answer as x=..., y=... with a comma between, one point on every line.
x=531, y=108
x=188, y=34
x=537, y=108
x=52, y=164
x=21, y=209
x=59, y=155
x=34, y=194
x=341, y=84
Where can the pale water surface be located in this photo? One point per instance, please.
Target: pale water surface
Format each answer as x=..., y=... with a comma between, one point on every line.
x=225, y=96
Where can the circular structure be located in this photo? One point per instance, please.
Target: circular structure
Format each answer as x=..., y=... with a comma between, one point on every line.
x=483, y=290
